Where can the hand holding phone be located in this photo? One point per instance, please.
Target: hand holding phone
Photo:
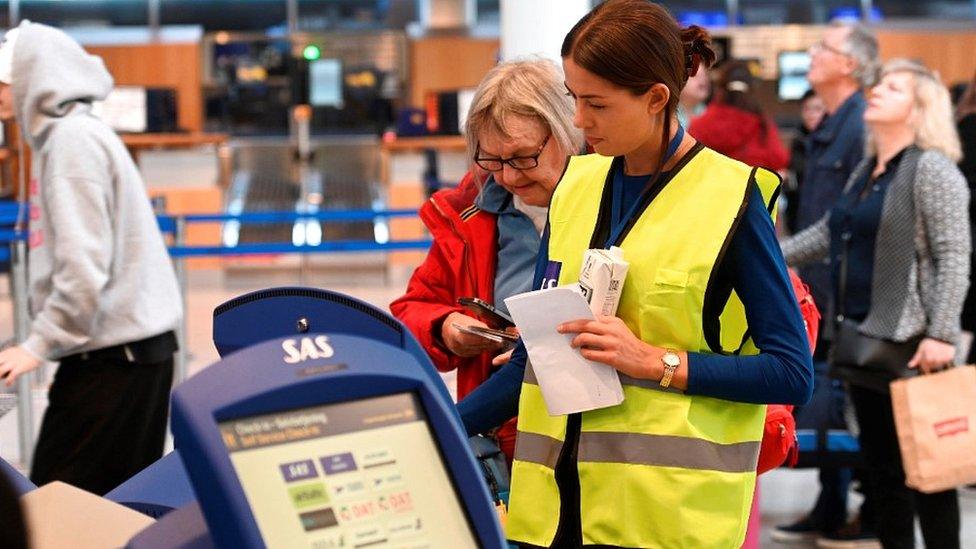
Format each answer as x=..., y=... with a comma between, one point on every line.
x=487, y=312
x=456, y=333
x=498, y=336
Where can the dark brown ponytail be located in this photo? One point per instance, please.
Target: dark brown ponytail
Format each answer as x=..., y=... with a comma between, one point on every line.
x=698, y=49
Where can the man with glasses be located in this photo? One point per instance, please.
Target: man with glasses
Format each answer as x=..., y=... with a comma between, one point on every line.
x=843, y=63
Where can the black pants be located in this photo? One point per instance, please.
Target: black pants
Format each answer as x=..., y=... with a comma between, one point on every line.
x=106, y=421
x=938, y=513
x=823, y=413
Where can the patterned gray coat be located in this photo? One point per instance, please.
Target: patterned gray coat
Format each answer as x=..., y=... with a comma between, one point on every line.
x=915, y=289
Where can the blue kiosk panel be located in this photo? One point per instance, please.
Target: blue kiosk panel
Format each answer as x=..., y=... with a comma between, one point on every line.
x=329, y=439
x=295, y=311
x=156, y=490
x=20, y=483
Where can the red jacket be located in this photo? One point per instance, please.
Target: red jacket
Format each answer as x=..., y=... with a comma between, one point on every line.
x=461, y=263
x=737, y=134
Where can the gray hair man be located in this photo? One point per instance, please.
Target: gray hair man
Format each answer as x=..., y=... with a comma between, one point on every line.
x=843, y=63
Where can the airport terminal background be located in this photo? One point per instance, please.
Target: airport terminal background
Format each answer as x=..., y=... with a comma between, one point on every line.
x=207, y=113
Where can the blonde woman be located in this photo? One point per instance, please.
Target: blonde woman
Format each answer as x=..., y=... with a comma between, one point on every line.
x=519, y=132
x=899, y=243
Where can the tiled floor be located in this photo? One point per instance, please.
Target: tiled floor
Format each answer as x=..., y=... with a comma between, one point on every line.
x=785, y=494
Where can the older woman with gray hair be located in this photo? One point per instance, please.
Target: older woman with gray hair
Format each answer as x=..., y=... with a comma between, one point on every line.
x=487, y=231
x=898, y=242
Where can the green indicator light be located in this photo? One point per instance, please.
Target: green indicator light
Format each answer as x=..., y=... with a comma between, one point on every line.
x=311, y=52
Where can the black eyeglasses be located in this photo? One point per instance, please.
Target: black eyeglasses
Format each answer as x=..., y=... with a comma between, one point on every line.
x=495, y=164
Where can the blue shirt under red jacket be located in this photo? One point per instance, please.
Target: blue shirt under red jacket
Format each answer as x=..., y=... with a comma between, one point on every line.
x=782, y=373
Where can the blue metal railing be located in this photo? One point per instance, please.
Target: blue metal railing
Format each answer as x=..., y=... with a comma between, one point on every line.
x=327, y=246
x=287, y=217
x=169, y=224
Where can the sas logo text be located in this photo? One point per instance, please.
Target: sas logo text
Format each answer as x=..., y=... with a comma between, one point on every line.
x=300, y=350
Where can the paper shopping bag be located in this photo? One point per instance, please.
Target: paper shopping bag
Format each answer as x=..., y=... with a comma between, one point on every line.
x=935, y=416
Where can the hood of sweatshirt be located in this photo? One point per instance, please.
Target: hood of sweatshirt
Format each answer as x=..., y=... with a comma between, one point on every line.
x=53, y=78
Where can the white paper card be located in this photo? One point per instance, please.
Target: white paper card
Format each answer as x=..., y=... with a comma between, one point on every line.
x=569, y=382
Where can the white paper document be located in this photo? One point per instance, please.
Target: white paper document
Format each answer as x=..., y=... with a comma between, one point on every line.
x=569, y=382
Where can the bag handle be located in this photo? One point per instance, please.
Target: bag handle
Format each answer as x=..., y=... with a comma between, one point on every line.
x=845, y=237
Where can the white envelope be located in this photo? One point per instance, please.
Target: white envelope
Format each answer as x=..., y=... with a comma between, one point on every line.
x=569, y=382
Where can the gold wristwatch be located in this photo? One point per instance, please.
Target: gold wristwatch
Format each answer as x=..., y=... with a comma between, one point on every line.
x=671, y=362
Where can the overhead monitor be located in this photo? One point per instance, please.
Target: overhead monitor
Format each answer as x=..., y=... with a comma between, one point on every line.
x=325, y=83
x=793, y=67
x=351, y=474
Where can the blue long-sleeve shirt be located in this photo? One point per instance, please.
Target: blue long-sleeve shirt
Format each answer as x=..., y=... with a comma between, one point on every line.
x=781, y=373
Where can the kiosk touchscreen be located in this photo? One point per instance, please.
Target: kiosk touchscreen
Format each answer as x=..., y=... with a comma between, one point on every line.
x=357, y=473
x=328, y=441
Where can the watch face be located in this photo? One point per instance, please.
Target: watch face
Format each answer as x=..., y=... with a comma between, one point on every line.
x=671, y=359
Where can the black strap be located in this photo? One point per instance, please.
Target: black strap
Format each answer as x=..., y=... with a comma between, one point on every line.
x=845, y=250
x=842, y=283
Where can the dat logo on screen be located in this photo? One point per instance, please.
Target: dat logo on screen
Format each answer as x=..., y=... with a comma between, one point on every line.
x=300, y=350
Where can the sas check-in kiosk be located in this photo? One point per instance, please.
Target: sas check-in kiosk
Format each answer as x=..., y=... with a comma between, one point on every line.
x=324, y=441
x=246, y=320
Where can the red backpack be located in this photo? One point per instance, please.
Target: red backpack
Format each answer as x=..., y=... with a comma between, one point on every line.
x=779, y=435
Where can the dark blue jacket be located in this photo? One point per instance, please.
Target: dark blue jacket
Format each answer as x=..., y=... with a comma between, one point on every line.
x=834, y=149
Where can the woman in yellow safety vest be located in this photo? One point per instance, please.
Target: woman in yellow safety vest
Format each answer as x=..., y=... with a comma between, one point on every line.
x=707, y=330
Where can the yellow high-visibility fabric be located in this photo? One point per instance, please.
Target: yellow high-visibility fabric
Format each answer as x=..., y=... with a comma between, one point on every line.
x=662, y=469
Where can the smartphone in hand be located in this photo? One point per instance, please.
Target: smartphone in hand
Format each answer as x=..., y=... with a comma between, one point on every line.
x=492, y=316
x=505, y=340
x=499, y=336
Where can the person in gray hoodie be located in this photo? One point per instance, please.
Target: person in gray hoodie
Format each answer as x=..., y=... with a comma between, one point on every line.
x=104, y=297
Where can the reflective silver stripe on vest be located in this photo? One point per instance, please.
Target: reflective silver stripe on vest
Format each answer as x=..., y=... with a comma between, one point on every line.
x=641, y=449
x=624, y=380
x=668, y=451
x=536, y=448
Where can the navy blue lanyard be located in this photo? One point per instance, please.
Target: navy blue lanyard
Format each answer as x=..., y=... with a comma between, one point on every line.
x=620, y=222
